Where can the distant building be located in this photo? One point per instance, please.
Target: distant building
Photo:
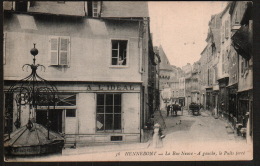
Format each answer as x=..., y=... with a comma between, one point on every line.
x=165, y=71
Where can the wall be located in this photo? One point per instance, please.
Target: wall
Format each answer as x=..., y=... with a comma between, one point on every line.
x=84, y=35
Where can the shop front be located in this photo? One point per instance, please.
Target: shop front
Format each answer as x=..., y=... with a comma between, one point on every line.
x=232, y=104
x=245, y=113
x=209, y=99
x=223, y=97
x=89, y=113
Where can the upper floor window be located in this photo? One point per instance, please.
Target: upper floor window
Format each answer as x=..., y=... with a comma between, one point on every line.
x=236, y=18
x=93, y=8
x=59, y=50
x=119, y=52
x=244, y=67
x=226, y=29
x=21, y=6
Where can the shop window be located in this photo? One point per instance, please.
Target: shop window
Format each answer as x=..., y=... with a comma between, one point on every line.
x=119, y=52
x=70, y=112
x=59, y=50
x=108, y=113
x=67, y=100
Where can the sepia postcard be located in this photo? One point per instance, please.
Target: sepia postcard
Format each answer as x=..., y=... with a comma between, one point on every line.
x=128, y=80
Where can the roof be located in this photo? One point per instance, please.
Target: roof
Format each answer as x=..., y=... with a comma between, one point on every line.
x=124, y=9
x=204, y=49
x=52, y=7
x=165, y=64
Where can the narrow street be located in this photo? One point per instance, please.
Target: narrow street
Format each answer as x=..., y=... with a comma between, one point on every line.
x=201, y=128
x=184, y=134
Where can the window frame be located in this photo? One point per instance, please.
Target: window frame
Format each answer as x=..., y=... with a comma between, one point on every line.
x=127, y=53
x=121, y=113
x=95, y=14
x=59, y=51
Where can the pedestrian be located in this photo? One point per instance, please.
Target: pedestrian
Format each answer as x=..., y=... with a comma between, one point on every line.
x=168, y=110
x=157, y=136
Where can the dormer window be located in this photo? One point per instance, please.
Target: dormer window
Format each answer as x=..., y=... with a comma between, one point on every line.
x=21, y=6
x=93, y=8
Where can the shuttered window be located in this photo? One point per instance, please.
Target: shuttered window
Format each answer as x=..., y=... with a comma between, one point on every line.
x=59, y=50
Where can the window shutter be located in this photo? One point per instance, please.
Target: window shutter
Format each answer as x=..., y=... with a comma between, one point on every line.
x=54, y=47
x=99, y=8
x=64, y=51
x=226, y=29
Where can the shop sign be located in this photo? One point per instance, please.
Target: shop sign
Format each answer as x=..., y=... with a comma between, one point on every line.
x=112, y=87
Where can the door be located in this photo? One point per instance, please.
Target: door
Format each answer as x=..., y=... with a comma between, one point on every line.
x=55, y=117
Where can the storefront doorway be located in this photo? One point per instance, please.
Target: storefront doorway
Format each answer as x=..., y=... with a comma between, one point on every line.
x=55, y=116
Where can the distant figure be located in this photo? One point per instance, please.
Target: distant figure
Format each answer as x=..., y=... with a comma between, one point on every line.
x=157, y=136
x=121, y=61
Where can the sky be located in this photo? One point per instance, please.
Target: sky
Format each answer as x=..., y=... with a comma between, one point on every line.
x=181, y=27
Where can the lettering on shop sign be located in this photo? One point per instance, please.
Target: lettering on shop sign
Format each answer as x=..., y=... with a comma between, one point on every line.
x=110, y=87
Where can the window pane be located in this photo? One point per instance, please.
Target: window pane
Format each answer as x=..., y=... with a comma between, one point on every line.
x=54, y=44
x=63, y=44
x=109, y=99
x=114, y=61
x=114, y=53
x=100, y=122
x=63, y=58
x=54, y=58
x=108, y=121
x=100, y=99
x=70, y=113
x=122, y=51
x=109, y=109
x=117, y=100
x=114, y=44
x=117, y=109
x=117, y=121
x=100, y=109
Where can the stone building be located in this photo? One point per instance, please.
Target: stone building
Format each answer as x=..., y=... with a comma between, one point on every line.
x=99, y=55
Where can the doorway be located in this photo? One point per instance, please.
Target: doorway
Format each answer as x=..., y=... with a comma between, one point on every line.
x=55, y=116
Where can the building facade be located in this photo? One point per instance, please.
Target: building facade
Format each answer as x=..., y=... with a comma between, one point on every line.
x=241, y=26
x=101, y=61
